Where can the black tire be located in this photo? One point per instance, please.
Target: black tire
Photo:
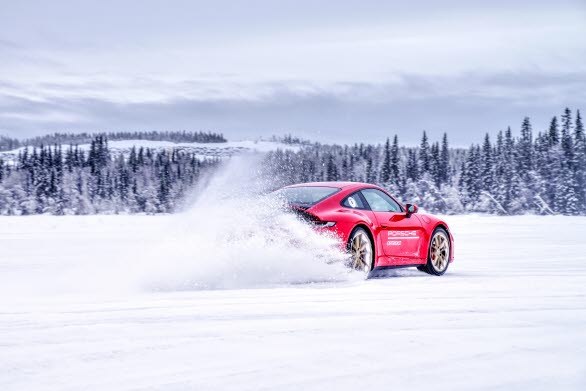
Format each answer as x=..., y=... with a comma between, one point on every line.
x=436, y=264
x=363, y=264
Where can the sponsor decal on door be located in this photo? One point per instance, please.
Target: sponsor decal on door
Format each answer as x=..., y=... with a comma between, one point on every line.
x=394, y=235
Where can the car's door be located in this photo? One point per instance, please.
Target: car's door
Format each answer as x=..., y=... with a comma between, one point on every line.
x=401, y=236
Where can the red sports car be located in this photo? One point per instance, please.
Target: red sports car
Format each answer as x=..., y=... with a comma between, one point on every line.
x=376, y=229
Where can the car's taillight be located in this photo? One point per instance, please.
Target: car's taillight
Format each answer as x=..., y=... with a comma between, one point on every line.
x=324, y=224
x=312, y=219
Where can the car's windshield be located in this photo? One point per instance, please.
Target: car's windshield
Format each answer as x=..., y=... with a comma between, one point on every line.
x=305, y=196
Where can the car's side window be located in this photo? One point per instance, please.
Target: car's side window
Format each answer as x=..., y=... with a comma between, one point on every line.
x=354, y=201
x=379, y=201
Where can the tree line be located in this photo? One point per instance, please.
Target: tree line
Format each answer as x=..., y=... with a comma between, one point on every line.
x=526, y=172
x=71, y=180
x=543, y=173
x=8, y=144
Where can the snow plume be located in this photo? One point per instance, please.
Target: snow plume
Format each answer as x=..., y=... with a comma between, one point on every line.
x=233, y=237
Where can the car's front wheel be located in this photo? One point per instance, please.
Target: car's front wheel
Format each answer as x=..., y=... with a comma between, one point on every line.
x=361, y=251
x=438, y=255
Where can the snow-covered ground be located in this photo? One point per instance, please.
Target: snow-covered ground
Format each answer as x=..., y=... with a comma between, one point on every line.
x=93, y=303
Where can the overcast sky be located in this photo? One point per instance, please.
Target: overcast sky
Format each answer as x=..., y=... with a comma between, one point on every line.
x=338, y=70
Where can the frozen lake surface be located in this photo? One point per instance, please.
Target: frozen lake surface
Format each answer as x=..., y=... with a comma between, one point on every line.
x=92, y=303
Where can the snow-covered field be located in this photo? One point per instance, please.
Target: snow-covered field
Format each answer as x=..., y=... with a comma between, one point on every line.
x=93, y=303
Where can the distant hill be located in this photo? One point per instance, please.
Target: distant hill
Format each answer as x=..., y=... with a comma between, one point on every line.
x=8, y=144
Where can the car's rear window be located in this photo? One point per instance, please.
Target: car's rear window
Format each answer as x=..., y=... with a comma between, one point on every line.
x=306, y=196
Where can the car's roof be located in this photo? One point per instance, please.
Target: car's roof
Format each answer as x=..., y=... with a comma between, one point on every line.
x=337, y=184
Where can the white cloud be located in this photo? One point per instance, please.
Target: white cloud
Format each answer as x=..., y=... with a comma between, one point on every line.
x=127, y=54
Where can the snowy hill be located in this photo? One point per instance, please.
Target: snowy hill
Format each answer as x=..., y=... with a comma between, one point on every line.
x=202, y=150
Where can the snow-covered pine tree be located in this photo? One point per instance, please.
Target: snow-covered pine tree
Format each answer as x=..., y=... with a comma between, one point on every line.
x=543, y=188
x=424, y=155
x=394, y=168
x=566, y=199
x=412, y=166
x=462, y=184
x=580, y=159
x=472, y=180
x=508, y=188
x=498, y=162
x=344, y=173
x=567, y=143
x=554, y=132
x=525, y=150
x=444, y=166
x=332, y=169
x=487, y=165
x=369, y=174
x=434, y=164
x=385, y=171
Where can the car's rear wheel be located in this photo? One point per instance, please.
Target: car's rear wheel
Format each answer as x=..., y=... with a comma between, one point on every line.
x=438, y=254
x=361, y=251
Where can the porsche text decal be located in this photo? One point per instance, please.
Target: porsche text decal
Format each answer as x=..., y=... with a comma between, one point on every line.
x=394, y=235
x=402, y=235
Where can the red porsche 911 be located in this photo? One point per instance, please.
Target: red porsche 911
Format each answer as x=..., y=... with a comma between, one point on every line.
x=376, y=229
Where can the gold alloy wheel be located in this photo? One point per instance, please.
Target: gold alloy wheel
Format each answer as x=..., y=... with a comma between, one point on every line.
x=361, y=252
x=439, y=252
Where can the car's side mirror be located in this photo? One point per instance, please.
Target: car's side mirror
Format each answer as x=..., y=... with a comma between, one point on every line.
x=411, y=208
